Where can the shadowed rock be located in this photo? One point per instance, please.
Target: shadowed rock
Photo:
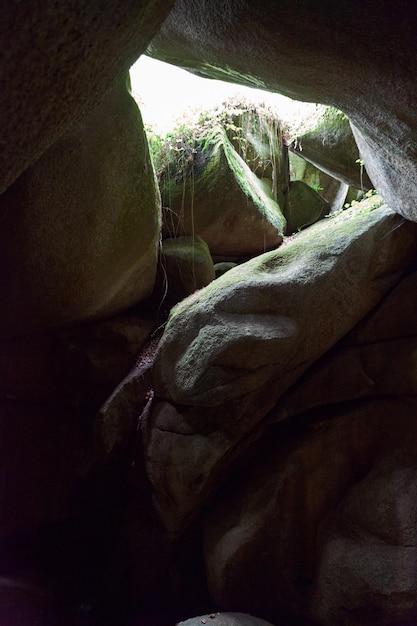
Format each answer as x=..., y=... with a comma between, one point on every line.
x=230, y=351
x=59, y=61
x=82, y=223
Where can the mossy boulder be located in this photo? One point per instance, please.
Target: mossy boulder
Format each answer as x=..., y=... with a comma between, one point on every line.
x=303, y=206
x=230, y=351
x=82, y=224
x=61, y=59
x=257, y=134
x=272, y=283
x=331, y=189
x=211, y=192
x=331, y=146
x=185, y=266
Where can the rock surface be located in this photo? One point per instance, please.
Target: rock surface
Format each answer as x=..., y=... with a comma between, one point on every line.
x=82, y=224
x=281, y=529
x=218, y=198
x=331, y=146
x=366, y=572
x=328, y=187
x=257, y=136
x=359, y=499
x=303, y=206
x=185, y=266
x=367, y=51
x=65, y=58
x=230, y=351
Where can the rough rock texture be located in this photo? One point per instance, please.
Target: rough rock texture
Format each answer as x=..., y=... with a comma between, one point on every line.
x=257, y=136
x=271, y=283
x=366, y=571
x=355, y=551
x=331, y=189
x=280, y=529
x=185, y=266
x=230, y=351
x=218, y=198
x=225, y=619
x=331, y=146
x=60, y=59
x=303, y=206
x=279, y=450
x=280, y=47
x=80, y=228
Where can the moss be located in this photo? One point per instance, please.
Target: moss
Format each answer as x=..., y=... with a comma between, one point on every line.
x=251, y=186
x=194, y=160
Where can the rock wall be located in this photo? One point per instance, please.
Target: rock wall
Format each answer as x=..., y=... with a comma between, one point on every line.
x=59, y=61
x=81, y=226
x=261, y=458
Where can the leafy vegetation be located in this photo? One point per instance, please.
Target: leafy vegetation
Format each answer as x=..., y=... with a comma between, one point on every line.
x=175, y=150
x=254, y=131
x=371, y=200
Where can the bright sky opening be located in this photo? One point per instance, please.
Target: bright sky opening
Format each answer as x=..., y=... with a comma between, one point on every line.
x=165, y=93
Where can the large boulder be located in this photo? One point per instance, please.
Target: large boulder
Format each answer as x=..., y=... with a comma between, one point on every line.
x=331, y=146
x=321, y=523
x=341, y=525
x=366, y=570
x=303, y=206
x=185, y=266
x=352, y=246
x=330, y=188
x=215, y=195
x=82, y=223
x=60, y=59
x=337, y=54
x=231, y=350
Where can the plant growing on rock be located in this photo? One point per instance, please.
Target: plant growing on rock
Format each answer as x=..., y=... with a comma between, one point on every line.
x=244, y=122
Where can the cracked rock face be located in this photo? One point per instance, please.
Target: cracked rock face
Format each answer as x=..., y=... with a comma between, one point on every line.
x=233, y=349
x=83, y=223
x=274, y=469
x=261, y=309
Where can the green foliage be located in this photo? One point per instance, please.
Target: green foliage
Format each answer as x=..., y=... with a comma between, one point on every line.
x=370, y=200
x=173, y=154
